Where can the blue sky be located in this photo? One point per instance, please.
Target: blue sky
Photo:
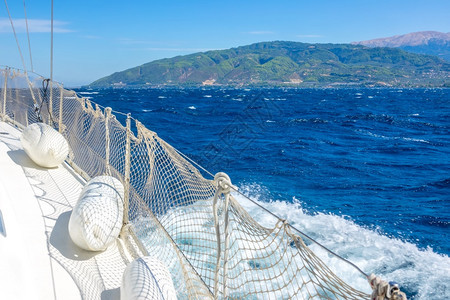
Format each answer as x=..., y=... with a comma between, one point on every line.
x=96, y=38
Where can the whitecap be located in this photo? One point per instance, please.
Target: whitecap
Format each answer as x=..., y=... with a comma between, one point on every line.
x=366, y=132
x=192, y=107
x=87, y=93
x=415, y=140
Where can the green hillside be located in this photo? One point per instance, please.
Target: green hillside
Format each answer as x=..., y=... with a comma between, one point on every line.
x=289, y=63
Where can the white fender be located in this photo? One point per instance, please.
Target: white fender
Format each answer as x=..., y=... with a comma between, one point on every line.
x=44, y=145
x=96, y=219
x=147, y=278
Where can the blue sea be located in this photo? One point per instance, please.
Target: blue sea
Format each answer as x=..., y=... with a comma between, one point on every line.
x=364, y=171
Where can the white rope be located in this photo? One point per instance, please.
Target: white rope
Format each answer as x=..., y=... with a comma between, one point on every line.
x=28, y=36
x=383, y=290
x=217, y=227
x=223, y=187
x=107, y=140
x=226, y=242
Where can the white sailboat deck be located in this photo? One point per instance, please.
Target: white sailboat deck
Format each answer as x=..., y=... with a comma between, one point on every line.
x=39, y=260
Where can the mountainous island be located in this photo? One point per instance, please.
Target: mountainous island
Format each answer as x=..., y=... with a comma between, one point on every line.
x=422, y=42
x=289, y=64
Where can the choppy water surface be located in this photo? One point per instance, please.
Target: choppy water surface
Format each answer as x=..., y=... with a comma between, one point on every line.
x=365, y=171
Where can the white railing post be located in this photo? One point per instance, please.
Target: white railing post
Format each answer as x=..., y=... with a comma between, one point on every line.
x=126, y=203
x=4, y=95
x=50, y=105
x=60, y=119
x=107, y=140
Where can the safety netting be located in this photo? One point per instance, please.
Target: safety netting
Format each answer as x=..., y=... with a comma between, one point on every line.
x=211, y=245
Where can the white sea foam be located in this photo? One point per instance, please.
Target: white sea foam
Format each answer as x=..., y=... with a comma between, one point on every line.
x=192, y=107
x=88, y=93
x=422, y=273
x=274, y=99
x=207, y=96
x=366, y=132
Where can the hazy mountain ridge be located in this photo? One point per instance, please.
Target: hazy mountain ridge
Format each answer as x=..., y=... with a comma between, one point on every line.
x=289, y=63
x=423, y=42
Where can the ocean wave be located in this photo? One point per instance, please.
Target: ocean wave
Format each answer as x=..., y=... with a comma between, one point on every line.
x=88, y=93
x=422, y=274
x=165, y=110
x=367, y=132
x=431, y=221
x=313, y=120
x=445, y=183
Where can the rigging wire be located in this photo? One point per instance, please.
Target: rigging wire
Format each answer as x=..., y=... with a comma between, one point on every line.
x=28, y=36
x=51, y=46
x=45, y=83
x=51, y=58
x=21, y=56
x=15, y=36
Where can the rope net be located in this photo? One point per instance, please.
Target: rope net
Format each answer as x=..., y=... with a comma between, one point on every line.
x=212, y=247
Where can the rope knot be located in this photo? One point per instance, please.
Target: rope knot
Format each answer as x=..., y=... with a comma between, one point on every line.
x=383, y=290
x=223, y=182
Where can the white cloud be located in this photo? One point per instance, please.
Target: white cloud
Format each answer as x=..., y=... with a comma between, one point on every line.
x=309, y=36
x=34, y=25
